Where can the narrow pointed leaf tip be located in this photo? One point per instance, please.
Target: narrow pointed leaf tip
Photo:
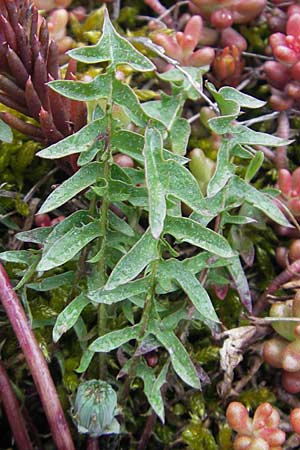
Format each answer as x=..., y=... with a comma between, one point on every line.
x=114, y=48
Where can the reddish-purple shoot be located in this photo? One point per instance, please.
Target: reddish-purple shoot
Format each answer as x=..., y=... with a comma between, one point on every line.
x=37, y=364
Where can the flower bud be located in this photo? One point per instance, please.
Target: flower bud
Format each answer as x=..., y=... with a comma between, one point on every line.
x=95, y=409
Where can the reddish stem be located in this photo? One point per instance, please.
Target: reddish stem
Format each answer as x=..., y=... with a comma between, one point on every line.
x=285, y=276
x=160, y=10
x=283, y=131
x=13, y=413
x=92, y=444
x=37, y=364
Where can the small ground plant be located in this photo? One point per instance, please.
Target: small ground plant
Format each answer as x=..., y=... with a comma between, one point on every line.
x=141, y=242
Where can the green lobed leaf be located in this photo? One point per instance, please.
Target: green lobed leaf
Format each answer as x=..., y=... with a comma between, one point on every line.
x=77, y=142
x=68, y=245
x=166, y=110
x=84, y=91
x=69, y=316
x=5, y=132
x=82, y=179
x=115, y=339
x=121, y=292
x=254, y=166
x=244, y=135
x=35, y=236
x=238, y=275
x=180, y=359
x=114, y=48
x=124, y=96
x=17, y=256
x=193, y=288
x=224, y=169
x=239, y=188
x=152, y=387
x=187, y=230
x=85, y=361
x=130, y=265
x=182, y=83
x=120, y=225
x=180, y=183
x=47, y=284
x=247, y=101
x=129, y=143
x=156, y=192
x=179, y=134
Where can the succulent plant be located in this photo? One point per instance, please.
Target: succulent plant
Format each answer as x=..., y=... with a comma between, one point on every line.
x=260, y=433
x=182, y=46
x=95, y=409
x=223, y=14
x=227, y=66
x=283, y=74
x=29, y=59
x=289, y=184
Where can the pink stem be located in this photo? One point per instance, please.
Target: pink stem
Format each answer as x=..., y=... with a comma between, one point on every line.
x=285, y=276
x=283, y=131
x=92, y=444
x=13, y=413
x=37, y=364
x=160, y=10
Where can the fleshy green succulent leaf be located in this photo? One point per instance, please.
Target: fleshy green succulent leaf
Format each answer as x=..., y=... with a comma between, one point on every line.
x=115, y=339
x=82, y=179
x=5, y=132
x=156, y=192
x=76, y=143
x=187, y=230
x=69, y=316
x=113, y=48
x=130, y=265
x=122, y=292
x=180, y=359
